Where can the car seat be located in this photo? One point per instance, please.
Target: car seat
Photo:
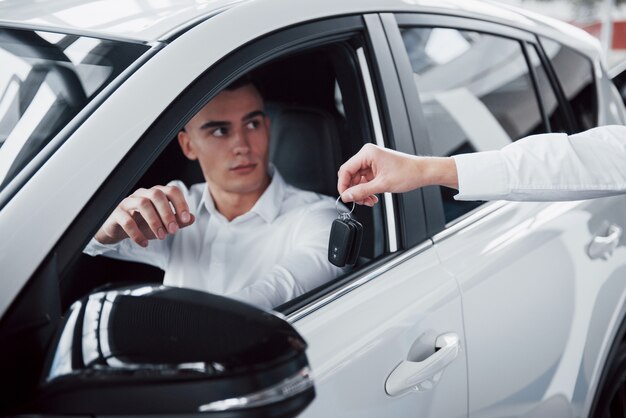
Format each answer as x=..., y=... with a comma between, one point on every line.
x=305, y=147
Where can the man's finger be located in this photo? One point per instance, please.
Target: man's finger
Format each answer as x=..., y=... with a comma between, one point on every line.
x=190, y=220
x=164, y=210
x=131, y=228
x=175, y=195
x=146, y=209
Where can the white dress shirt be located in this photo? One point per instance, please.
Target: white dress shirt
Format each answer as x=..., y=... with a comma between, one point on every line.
x=547, y=167
x=267, y=256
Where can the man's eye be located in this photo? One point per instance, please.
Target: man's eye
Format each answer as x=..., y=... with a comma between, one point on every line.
x=219, y=132
x=253, y=124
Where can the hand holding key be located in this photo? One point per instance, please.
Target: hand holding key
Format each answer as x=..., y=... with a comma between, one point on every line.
x=376, y=170
x=145, y=215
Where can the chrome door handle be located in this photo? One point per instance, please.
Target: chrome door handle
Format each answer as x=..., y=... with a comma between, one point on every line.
x=423, y=375
x=603, y=246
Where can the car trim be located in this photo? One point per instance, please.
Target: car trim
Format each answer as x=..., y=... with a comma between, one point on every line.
x=352, y=285
x=410, y=215
x=464, y=23
x=468, y=219
x=378, y=134
x=288, y=388
x=431, y=198
x=16, y=184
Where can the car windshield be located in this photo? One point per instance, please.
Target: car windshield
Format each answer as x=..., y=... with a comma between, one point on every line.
x=45, y=80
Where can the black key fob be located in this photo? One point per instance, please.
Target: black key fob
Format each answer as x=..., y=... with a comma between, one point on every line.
x=355, y=248
x=341, y=241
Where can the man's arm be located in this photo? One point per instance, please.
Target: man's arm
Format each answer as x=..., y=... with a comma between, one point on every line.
x=548, y=167
x=537, y=168
x=304, y=264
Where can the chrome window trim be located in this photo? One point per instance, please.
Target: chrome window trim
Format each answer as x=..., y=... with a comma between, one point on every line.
x=378, y=135
x=468, y=219
x=348, y=287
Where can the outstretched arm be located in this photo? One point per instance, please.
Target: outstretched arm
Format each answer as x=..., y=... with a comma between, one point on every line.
x=546, y=167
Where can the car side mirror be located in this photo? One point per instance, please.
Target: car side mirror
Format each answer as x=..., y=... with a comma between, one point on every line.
x=162, y=350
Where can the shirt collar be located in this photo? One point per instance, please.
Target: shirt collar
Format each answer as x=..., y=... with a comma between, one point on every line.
x=267, y=207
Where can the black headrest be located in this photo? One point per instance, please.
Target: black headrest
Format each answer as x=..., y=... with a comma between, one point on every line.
x=305, y=146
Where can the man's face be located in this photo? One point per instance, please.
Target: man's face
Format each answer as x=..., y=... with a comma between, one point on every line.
x=230, y=137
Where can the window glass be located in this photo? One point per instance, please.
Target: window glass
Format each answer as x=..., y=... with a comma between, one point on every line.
x=45, y=80
x=575, y=74
x=553, y=109
x=476, y=93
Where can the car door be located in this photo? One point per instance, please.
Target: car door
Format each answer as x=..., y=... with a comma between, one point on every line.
x=387, y=340
x=540, y=305
x=369, y=338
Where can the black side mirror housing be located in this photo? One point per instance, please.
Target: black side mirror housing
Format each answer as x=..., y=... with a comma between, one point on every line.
x=160, y=350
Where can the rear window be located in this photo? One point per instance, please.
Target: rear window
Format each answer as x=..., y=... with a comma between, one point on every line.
x=575, y=74
x=45, y=80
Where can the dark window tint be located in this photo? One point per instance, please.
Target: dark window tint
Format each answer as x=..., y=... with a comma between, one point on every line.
x=575, y=74
x=476, y=92
x=552, y=107
x=45, y=80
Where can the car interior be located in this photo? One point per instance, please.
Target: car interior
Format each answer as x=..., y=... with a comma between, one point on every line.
x=317, y=110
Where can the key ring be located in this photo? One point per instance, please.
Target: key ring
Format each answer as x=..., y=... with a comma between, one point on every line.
x=343, y=214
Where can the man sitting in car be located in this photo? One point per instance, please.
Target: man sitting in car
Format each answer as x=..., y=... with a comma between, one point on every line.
x=245, y=233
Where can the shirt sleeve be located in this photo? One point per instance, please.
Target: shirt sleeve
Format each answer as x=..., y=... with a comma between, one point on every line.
x=547, y=167
x=304, y=265
x=156, y=254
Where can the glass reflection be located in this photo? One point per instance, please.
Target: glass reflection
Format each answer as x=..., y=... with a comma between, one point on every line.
x=45, y=80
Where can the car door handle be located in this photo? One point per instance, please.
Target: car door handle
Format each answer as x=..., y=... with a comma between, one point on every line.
x=603, y=246
x=423, y=375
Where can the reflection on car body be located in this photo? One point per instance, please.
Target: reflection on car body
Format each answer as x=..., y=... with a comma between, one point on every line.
x=531, y=325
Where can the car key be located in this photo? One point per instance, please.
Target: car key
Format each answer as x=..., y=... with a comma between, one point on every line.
x=342, y=235
x=345, y=239
x=355, y=248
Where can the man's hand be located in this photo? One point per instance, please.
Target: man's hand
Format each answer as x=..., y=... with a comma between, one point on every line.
x=145, y=215
x=377, y=170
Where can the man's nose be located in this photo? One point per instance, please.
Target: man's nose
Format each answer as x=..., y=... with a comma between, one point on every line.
x=242, y=144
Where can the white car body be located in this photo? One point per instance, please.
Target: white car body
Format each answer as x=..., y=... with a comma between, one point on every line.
x=535, y=316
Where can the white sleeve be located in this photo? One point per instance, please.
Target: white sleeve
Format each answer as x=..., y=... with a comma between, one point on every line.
x=156, y=254
x=548, y=167
x=303, y=266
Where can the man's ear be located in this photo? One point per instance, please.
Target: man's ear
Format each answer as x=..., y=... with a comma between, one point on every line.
x=185, y=145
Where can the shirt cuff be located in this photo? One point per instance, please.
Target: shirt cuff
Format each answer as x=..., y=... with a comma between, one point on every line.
x=94, y=247
x=481, y=175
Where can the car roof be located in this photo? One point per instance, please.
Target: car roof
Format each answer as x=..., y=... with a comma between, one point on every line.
x=154, y=20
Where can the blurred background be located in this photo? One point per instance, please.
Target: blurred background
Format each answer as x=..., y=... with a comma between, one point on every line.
x=604, y=19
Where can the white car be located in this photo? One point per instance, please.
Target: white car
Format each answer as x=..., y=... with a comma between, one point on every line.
x=453, y=309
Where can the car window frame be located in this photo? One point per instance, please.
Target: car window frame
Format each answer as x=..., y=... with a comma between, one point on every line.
x=572, y=123
x=154, y=140
x=434, y=202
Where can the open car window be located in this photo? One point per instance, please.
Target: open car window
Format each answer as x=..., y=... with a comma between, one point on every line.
x=316, y=104
x=45, y=80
